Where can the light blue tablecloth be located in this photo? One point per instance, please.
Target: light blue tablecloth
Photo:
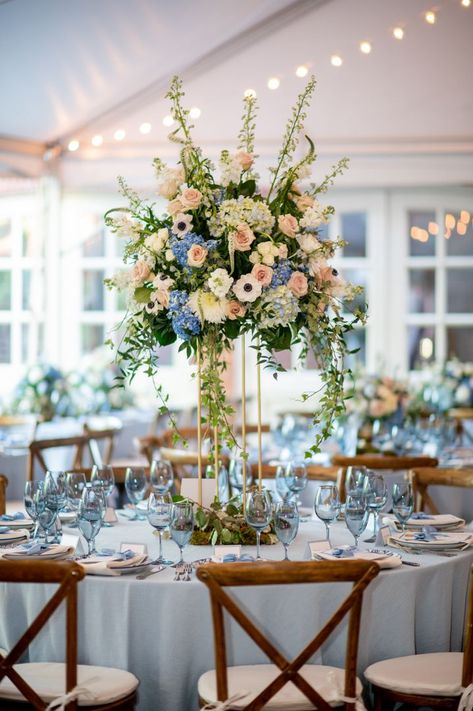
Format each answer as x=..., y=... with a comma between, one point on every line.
x=161, y=630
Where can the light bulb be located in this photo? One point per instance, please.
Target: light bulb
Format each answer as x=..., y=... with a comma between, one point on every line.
x=168, y=120
x=449, y=221
x=461, y=228
x=430, y=17
x=273, y=83
x=433, y=228
x=466, y=3
x=195, y=112
x=250, y=92
x=398, y=33
x=97, y=140
x=73, y=145
x=365, y=47
x=302, y=71
x=119, y=134
x=145, y=128
x=465, y=216
x=336, y=60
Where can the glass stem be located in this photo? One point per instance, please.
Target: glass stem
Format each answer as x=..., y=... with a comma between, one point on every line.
x=286, y=557
x=90, y=547
x=327, y=529
x=160, y=536
x=181, y=559
x=258, y=535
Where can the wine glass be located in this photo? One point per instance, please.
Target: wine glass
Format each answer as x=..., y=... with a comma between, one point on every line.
x=159, y=516
x=75, y=485
x=89, y=516
x=103, y=478
x=181, y=525
x=47, y=515
x=161, y=476
x=30, y=500
x=327, y=505
x=296, y=478
x=135, y=486
x=286, y=523
x=356, y=515
x=355, y=480
x=54, y=492
x=258, y=514
x=281, y=482
x=377, y=495
x=403, y=502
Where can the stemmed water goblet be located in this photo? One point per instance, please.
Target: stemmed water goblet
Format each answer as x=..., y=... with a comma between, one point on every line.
x=161, y=476
x=258, y=513
x=181, y=525
x=32, y=488
x=236, y=474
x=403, y=502
x=159, y=517
x=89, y=516
x=75, y=485
x=281, y=482
x=135, y=486
x=286, y=523
x=296, y=478
x=55, y=498
x=356, y=480
x=356, y=515
x=103, y=478
x=327, y=505
x=377, y=495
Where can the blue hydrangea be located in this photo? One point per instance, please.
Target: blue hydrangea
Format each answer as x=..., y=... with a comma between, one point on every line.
x=184, y=322
x=281, y=274
x=181, y=245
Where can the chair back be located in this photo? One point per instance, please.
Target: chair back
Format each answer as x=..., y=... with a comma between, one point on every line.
x=3, y=493
x=101, y=441
x=422, y=478
x=185, y=463
x=39, y=447
x=384, y=462
x=20, y=424
x=223, y=575
x=467, y=670
x=66, y=575
x=314, y=472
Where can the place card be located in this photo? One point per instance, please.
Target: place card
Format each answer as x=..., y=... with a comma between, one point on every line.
x=72, y=540
x=110, y=515
x=382, y=539
x=138, y=548
x=221, y=551
x=314, y=547
x=190, y=490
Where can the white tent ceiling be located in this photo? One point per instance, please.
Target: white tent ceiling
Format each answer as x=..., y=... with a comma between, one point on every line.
x=82, y=67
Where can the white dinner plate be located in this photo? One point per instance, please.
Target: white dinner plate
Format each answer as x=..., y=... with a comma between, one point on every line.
x=13, y=535
x=18, y=523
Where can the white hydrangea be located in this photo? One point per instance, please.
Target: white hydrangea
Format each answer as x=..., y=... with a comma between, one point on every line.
x=220, y=282
x=158, y=240
x=233, y=212
x=313, y=217
x=230, y=169
x=121, y=279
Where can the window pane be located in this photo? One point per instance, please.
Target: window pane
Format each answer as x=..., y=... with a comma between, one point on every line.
x=92, y=337
x=94, y=243
x=421, y=291
x=5, y=343
x=421, y=244
x=357, y=277
x=356, y=339
x=460, y=242
x=30, y=241
x=421, y=344
x=5, y=290
x=459, y=291
x=25, y=346
x=460, y=342
x=25, y=291
x=93, y=290
x=5, y=237
x=354, y=232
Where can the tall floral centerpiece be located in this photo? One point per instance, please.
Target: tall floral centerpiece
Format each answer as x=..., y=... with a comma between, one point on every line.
x=229, y=257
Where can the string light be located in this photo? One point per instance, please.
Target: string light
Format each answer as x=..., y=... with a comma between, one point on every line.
x=398, y=33
x=461, y=228
x=336, y=60
x=273, y=83
x=433, y=228
x=168, y=120
x=195, y=112
x=73, y=145
x=365, y=47
x=466, y=3
x=465, y=216
x=97, y=140
x=430, y=17
x=302, y=71
x=449, y=221
x=145, y=128
x=119, y=134
x=250, y=92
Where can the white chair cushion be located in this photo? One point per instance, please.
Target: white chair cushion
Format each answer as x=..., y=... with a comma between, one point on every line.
x=48, y=680
x=328, y=681
x=438, y=674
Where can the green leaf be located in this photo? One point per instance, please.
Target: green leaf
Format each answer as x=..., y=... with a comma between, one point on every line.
x=232, y=329
x=247, y=188
x=200, y=518
x=214, y=538
x=142, y=294
x=226, y=536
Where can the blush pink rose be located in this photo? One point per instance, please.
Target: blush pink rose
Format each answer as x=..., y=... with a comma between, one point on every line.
x=283, y=251
x=242, y=238
x=168, y=188
x=263, y=274
x=196, y=255
x=298, y=284
x=288, y=225
x=140, y=272
x=244, y=159
x=175, y=206
x=303, y=202
x=234, y=310
x=191, y=198
x=162, y=297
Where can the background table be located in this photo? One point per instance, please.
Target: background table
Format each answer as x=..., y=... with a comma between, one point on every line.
x=162, y=631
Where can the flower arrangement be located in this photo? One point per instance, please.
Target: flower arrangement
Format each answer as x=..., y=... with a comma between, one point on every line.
x=437, y=388
x=226, y=258
x=43, y=391
x=225, y=524
x=375, y=397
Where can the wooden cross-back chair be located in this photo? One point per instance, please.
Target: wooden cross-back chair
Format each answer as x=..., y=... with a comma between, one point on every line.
x=184, y=463
x=112, y=688
x=3, y=493
x=27, y=424
x=383, y=462
x=96, y=436
x=437, y=680
x=39, y=446
x=422, y=478
x=459, y=414
x=224, y=682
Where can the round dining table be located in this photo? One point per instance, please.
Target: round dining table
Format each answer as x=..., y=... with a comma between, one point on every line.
x=161, y=629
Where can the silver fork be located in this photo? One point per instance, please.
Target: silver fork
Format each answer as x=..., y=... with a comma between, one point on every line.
x=148, y=573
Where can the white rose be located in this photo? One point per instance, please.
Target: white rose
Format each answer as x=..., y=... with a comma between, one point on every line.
x=308, y=243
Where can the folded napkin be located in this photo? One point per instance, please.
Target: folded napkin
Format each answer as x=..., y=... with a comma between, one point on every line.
x=428, y=533
x=420, y=516
x=343, y=552
x=232, y=558
x=5, y=529
x=125, y=560
x=319, y=551
x=12, y=517
x=33, y=549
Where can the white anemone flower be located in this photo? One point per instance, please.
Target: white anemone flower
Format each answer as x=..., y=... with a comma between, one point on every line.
x=247, y=288
x=182, y=224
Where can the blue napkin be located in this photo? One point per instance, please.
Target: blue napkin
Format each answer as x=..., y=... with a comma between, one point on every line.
x=232, y=558
x=12, y=517
x=124, y=555
x=33, y=548
x=5, y=529
x=342, y=552
x=428, y=533
x=420, y=516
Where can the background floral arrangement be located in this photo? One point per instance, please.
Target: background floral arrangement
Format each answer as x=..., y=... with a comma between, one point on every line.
x=375, y=397
x=440, y=387
x=224, y=259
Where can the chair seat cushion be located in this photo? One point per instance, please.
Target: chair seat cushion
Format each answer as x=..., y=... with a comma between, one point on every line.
x=48, y=680
x=437, y=674
x=328, y=681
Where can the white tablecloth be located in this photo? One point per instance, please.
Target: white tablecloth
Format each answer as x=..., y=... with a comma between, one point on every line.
x=161, y=630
